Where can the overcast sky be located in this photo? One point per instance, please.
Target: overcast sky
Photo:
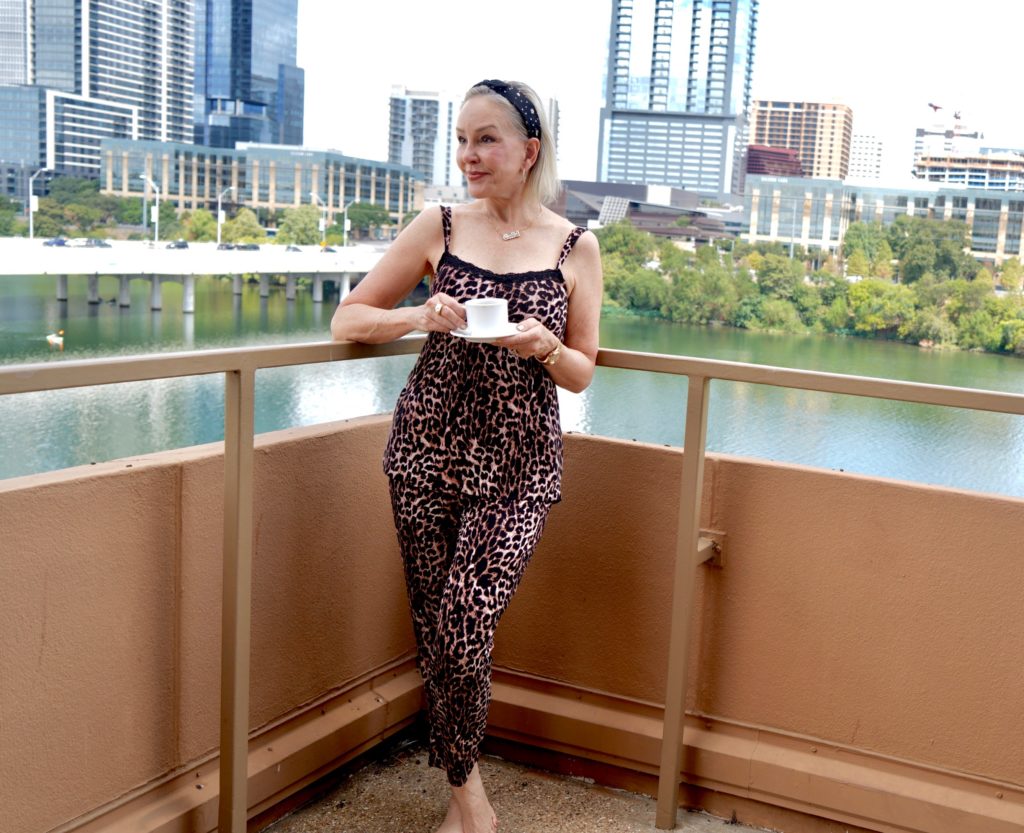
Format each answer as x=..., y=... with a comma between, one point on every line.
x=886, y=59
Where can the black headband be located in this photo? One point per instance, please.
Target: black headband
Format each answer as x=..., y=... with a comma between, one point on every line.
x=524, y=107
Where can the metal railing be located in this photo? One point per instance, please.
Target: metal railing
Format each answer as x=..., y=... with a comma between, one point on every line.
x=239, y=368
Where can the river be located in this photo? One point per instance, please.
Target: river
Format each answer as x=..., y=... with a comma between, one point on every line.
x=53, y=430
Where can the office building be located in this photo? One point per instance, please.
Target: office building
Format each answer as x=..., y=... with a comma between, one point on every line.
x=815, y=213
x=762, y=159
x=247, y=86
x=950, y=136
x=93, y=69
x=421, y=134
x=678, y=94
x=14, y=39
x=265, y=178
x=993, y=171
x=820, y=133
x=865, y=158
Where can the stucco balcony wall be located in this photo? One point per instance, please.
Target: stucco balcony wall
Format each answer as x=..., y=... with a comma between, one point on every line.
x=860, y=639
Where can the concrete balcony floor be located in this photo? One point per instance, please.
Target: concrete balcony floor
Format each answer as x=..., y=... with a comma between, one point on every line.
x=401, y=794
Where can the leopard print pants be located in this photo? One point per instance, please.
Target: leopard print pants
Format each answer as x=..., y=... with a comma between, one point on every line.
x=464, y=557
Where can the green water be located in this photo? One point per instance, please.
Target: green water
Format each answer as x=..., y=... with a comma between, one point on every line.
x=46, y=431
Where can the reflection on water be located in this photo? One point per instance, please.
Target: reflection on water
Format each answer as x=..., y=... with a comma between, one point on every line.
x=42, y=432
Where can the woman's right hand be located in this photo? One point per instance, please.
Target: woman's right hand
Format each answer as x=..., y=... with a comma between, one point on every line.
x=441, y=313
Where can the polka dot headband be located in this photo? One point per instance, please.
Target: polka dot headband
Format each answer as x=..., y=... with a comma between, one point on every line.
x=524, y=107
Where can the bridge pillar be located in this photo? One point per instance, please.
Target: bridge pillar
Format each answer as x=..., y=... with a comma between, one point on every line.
x=264, y=286
x=93, y=282
x=346, y=284
x=236, y=284
x=188, y=296
x=155, y=293
x=62, y=287
x=124, y=295
x=318, y=289
x=289, y=287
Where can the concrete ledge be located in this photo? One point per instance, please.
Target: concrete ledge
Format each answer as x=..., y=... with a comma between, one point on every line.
x=825, y=782
x=283, y=758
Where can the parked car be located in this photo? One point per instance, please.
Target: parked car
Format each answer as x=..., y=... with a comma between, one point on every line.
x=248, y=247
x=292, y=248
x=56, y=241
x=178, y=244
x=88, y=243
x=327, y=249
x=225, y=246
x=98, y=243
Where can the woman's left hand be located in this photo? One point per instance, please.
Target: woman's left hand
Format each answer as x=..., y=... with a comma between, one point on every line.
x=533, y=340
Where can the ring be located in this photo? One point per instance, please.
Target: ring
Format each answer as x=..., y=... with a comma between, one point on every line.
x=438, y=307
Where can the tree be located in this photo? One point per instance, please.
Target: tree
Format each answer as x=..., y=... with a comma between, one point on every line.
x=857, y=264
x=364, y=216
x=300, y=225
x=201, y=225
x=879, y=306
x=779, y=276
x=244, y=227
x=1012, y=275
x=634, y=247
x=866, y=238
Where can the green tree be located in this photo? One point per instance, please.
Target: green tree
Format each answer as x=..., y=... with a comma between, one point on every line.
x=866, y=238
x=300, y=225
x=880, y=307
x=857, y=264
x=635, y=248
x=364, y=216
x=779, y=276
x=1012, y=275
x=170, y=226
x=244, y=227
x=201, y=225
x=881, y=263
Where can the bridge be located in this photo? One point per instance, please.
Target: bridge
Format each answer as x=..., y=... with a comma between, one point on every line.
x=137, y=260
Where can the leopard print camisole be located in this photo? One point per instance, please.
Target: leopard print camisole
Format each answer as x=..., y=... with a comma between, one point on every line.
x=475, y=415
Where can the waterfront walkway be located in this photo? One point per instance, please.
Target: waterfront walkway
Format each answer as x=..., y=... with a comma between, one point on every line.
x=401, y=794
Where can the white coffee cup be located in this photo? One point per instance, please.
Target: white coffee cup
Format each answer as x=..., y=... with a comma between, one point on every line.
x=486, y=315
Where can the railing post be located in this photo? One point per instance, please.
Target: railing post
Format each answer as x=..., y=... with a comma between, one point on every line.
x=688, y=533
x=236, y=612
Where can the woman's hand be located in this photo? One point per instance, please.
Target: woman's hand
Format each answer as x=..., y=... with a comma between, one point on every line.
x=533, y=341
x=441, y=313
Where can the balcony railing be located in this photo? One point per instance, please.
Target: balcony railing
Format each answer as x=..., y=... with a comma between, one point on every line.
x=239, y=366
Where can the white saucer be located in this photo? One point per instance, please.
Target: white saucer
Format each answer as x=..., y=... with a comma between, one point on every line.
x=481, y=337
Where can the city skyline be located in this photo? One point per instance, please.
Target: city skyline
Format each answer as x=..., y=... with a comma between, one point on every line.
x=890, y=63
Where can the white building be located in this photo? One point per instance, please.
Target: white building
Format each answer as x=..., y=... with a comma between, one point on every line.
x=422, y=135
x=865, y=158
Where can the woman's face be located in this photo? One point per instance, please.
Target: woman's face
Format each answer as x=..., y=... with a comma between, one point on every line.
x=491, y=154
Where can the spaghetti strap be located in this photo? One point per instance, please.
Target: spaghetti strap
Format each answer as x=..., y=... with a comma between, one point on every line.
x=570, y=241
x=446, y=225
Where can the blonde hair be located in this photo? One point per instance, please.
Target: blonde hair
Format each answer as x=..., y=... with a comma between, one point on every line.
x=542, y=181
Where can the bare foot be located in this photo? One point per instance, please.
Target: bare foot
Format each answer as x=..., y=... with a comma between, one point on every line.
x=477, y=813
x=453, y=821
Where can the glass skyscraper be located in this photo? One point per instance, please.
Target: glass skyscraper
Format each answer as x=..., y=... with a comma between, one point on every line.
x=678, y=93
x=247, y=86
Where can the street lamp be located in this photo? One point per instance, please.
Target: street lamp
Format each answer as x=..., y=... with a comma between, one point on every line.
x=31, y=200
x=220, y=214
x=323, y=217
x=344, y=223
x=156, y=223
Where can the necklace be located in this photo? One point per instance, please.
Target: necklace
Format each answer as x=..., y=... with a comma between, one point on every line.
x=514, y=233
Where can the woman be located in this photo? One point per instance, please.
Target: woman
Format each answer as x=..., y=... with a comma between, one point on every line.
x=475, y=452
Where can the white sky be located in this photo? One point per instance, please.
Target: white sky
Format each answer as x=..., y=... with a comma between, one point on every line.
x=886, y=59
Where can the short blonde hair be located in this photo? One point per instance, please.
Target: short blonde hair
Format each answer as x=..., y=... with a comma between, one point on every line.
x=542, y=182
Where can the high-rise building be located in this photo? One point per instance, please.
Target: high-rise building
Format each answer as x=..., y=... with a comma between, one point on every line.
x=949, y=136
x=422, y=135
x=677, y=94
x=14, y=37
x=247, y=86
x=819, y=133
x=89, y=70
x=865, y=158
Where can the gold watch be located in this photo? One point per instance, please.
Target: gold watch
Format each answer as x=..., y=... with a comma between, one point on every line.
x=552, y=357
